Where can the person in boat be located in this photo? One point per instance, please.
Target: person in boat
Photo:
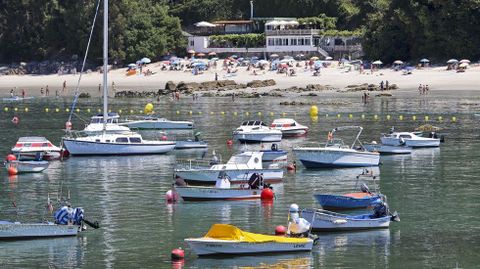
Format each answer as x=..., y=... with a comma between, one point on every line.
x=380, y=210
x=297, y=226
x=223, y=181
x=274, y=147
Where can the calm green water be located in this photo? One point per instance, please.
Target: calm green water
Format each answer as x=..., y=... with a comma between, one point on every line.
x=436, y=191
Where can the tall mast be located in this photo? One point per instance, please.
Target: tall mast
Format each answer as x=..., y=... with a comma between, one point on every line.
x=105, y=63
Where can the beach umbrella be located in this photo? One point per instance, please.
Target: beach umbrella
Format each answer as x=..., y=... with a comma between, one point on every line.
x=191, y=51
x=314, y=58
x=409, y=68
x=328, y=58
x=201, y=54
x=463, y=65
x=377, y=62
x=452, y=61
x=465, y=61
x=214, y=59
x=262, y=62
x=132, y=65
x=424, y=60
x=274, y=55
x=146, y=60
x=285, y=61
x=300, y=56
x=287, y=57
x=173, y=58
x=234, y=56
x=398, y=62
x=213, y=53
x=255, y=58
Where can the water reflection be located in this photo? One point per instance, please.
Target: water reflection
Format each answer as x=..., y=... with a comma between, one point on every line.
x=298, y=260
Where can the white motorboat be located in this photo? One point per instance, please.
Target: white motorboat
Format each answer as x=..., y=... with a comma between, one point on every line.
x=16, y=230
x=240, y=168
x=289, y=127
x=387, y=149
x=256, y=131
x=110, y=139
x=27, y=166
x=323, y=220
x=110, y=125
x=126, y=143
x=154, y=123
x=336, y=154
x=224, y=239
x=36, y=147
x=409, y=139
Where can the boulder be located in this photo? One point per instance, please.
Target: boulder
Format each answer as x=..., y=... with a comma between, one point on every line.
x=261, y=83
x=170, y=86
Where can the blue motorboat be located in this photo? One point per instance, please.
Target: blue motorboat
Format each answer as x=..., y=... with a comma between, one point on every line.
x=274, y=154
x=348, y=201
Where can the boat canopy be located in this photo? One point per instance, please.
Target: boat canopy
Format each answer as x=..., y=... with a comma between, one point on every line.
x=232, y=233
x=32, y=139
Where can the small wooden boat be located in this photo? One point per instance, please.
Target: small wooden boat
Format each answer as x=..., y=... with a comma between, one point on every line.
x=323, y=220
x=27, y=166
x=17, y=230
x=348, y=201
x=224, y=239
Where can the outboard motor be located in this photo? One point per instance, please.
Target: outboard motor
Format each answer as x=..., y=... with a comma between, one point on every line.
x=364, y=188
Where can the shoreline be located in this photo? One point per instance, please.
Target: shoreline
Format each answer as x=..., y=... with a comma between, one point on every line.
x=438, y=79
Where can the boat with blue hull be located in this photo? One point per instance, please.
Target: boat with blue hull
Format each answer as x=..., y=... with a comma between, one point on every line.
x=348, y=201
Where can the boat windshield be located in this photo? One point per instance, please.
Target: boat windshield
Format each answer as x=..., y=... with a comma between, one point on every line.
x=239, y=159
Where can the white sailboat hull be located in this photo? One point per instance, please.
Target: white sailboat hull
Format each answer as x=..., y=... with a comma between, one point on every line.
x=237, y=176
x=210, y=193
x=158, y=124
x=417, y=142
x=79, y=147
x=206, y=246
x=13, y=230
x=326, y=157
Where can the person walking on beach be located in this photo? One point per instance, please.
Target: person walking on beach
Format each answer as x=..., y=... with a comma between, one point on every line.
x=216, y=76
x=233, y=97
x=420, y=89
x=99, y=87
x=64, y=89
x=387, y=87
x=41, y=92
x=426, y=89
x=381, y=86
x=47, y=91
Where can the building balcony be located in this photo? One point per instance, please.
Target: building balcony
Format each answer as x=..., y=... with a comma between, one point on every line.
x=290, y=32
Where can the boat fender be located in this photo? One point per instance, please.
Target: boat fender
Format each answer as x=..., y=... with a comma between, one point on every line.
x=164, y=138
x=229, y=142
x=68, y=125
x=15, y=120
x=177, y=254
x=171, y=196
x=339, y=221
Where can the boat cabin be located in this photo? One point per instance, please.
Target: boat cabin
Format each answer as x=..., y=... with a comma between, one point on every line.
x=253, y=123
x=33, y=142
x=278, y=123
x=249, y=159
x=111, y=118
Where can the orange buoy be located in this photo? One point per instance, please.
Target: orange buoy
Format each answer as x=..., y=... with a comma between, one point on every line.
x=12, y=171
x=15, y=120
x=177, y=254
x=10, y=157
x=280, y=230
x=229, y=142
x=68, y=125
x=267, y=194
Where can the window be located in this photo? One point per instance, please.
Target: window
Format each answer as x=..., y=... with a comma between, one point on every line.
x=307, y=42
x=284, y=41
x=293, y=41
x=278, y=42
x=271, y=42
x=135, y=140
x=300, y=42
x=192, y=43
x=121, y=140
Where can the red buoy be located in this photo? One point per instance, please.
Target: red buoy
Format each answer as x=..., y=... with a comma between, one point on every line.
x=171, y=196
x=229, y=142
x=267, y=194
x=10, y=157
x=280, y=230
x=290, y=167
x=12, y=171
x=164, y=138
x=178, y=254
x=15, y=120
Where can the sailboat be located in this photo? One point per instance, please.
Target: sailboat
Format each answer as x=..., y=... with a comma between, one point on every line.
x=108, y=143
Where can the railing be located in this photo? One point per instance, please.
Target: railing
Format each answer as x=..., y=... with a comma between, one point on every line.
x=292, y=32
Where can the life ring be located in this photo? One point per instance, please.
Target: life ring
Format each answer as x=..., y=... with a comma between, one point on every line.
x=15, y=120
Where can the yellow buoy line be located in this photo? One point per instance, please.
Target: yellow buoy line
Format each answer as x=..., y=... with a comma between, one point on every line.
x=314, y=115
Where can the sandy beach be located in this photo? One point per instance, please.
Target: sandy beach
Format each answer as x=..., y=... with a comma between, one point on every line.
x=438, y=79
